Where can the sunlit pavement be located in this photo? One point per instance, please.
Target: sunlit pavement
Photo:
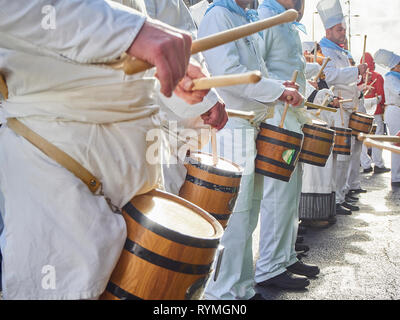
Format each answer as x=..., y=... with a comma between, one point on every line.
x=359, y=256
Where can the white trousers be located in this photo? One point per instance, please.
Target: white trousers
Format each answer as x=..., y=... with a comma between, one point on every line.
x=279, y=220
x=392, y=118
x=279, y=214
x=353, y=175
x=376, y=157
x=236, y=142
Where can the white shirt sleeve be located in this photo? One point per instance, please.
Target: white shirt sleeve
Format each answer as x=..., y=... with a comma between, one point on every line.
x=84, y=31
x=392, y=91
x=226, y=59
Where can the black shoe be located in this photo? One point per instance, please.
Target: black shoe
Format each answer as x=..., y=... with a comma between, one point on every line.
x=368, y=170
x=303, y=269
x=395, y=184
x=357, y=191
x=340, y=210
x=350, y=198
x=301, y=247
x=257, y=296
x=350, y=206
x=286, y=280
x=383, y=169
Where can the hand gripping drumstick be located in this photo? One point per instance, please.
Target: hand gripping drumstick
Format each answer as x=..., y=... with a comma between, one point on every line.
x=131, y=65
x=382, y=138
x=322, y=69
x=227, y=80
x=372, y=143
x=294, y=78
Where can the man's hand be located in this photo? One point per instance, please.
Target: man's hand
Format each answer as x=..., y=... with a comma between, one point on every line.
x=291, y=96
x=362, y=69
x=216, y=116
x=184, y=88
x=165, y=47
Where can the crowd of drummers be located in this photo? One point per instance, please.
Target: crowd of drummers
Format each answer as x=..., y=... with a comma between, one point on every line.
x=143, y=141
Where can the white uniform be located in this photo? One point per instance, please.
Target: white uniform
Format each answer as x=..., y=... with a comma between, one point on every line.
x=176, y=13
x=392, y=117
x=237, y=143
x=280, y=204
x=55, y=228
x=344, y=77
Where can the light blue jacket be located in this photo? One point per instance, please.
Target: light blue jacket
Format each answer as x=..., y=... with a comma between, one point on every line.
x=283, y=55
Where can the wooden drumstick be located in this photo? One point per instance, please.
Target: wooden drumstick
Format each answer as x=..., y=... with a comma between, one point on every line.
x=382, y=138
x=373, y=144
x=213, y=132
x=322, y=69
x=240, y=114
x=294, y=78
x=346, y=100
x=365, y=49
x=369, y=90
x=131, y=65
x=316, y=106
x=225, y=81
x=3, y=88
x=315, y=51
x=341, y=109
x=326, y=102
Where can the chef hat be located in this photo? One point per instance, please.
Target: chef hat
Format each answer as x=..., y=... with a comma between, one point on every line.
x=308, y=46
x=386, y=58
x=331, y=13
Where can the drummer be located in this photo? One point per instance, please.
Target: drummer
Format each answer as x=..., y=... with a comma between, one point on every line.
x=391, y=61
x=59, y=240
x=278, y=264
x=317, y=201
x=344, y=77
x=237, y=141
x=176, y=112
x=376, y=97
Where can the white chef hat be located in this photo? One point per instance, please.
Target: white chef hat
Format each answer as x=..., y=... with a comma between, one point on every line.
x=331, y=13
x=386, y=58
x=308, y=46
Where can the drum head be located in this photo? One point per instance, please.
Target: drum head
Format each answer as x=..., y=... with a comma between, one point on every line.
x=320, y=123
x=205, y=161
x=177, y=214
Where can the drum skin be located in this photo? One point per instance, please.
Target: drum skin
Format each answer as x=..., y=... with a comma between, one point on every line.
x=160, y=260
x=212, y=188
x=278, y=152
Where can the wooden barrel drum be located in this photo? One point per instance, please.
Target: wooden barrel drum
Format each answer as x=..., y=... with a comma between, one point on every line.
x=213, y=188
x=317, y=145
x=170, y=246
x=342, y=141
x=278, y=152
x=361, y=122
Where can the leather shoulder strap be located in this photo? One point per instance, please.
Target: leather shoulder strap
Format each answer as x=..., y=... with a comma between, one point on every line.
x=55, y=153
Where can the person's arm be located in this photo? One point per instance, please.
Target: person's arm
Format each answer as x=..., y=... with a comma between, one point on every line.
x=225, y=59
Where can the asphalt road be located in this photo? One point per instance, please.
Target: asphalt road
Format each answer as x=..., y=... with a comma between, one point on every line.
x=359, y=256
